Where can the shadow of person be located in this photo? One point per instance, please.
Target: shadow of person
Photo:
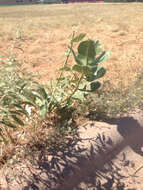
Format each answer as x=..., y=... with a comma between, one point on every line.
x=132, y=132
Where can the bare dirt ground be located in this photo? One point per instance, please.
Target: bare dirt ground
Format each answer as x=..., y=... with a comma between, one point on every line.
x=44, y=31
x=104, y=156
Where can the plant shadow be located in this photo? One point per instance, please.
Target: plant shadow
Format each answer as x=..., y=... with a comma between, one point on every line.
x=79, y=168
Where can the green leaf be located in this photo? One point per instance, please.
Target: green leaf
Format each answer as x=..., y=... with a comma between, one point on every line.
x=94, y=86
x=19, y=121
x=30, y=95
x=91, y=87
x=23, y=86
x=16, y=105
x=100, y=73
x=81, y=59
x=19, y=112
x=65, y=68
x=27, y=103
x=43, y=111
x=42, y=92
x=82, y=86
x=12, y=95
x=9, y=124
x=98, y=47
x=4, y=139
x=61, y=79
x=82, y=69
x=79, y=95
x=14, y=112
x=51, y=106
x=93, y=69
x=87, y=49
x=103, y=57
x=90, y=78
x=78, y=38
x=75, y=56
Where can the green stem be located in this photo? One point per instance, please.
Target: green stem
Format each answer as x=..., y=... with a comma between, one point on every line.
x=76, y=88
x=138, y=169
x=65, y=63
x=67, y=58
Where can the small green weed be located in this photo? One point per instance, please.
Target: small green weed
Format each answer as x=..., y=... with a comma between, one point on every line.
x=75, y=82
x=15, y=93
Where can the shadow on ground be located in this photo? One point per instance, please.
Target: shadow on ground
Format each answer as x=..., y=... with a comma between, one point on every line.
x=78, y=167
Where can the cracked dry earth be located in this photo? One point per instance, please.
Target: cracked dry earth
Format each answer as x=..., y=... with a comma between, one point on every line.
x=104, y=156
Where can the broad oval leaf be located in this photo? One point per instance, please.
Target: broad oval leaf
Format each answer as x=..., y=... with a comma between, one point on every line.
x=81, y=59
x=94, y=86
x=77, y=68
x=87, y=49
x=100, y=73
x=90, y=78
x=86, y=71
x=82, y=69
x=94, y=69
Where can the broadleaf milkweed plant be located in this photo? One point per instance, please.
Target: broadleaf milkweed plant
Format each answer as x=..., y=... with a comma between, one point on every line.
x=75, y=83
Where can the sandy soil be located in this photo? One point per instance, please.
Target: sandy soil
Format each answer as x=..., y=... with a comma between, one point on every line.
x=43, y=32
x=104, y=156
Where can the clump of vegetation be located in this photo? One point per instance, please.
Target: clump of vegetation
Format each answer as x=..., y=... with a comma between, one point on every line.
x=42, y=115
x=16, y=86
x=23, y=100
x=75, y=82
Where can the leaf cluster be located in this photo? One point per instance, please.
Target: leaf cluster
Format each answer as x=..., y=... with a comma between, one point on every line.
x=77, y=81
x=16, y=92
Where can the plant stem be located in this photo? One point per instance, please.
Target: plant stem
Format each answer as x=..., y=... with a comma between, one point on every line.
x=76, y=88
x=10, y=137
x=67, y=58
x=65, y=63
x=138, y=169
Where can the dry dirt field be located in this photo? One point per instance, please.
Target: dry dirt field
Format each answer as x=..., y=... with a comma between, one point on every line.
x=44, y=31
x=41, y=34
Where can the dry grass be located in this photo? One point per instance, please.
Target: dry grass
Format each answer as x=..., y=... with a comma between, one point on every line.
x=46, y=30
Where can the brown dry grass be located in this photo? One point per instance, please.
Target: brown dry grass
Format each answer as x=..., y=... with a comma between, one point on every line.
x=46, y=30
